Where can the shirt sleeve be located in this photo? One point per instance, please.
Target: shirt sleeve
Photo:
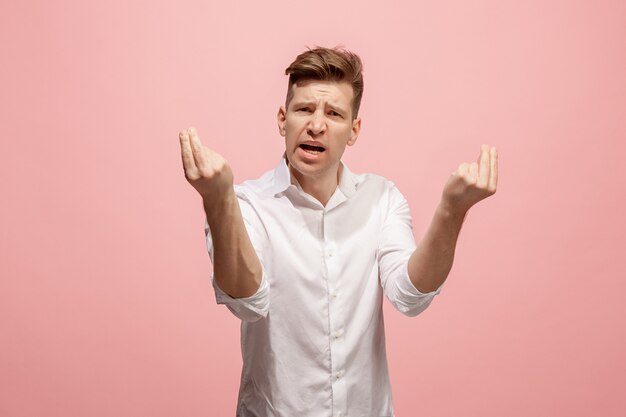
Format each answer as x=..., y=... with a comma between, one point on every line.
x=256, y=306
x=395, y=247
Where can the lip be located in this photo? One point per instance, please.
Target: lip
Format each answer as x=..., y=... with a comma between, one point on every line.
x=310, y=156
x=312, y=143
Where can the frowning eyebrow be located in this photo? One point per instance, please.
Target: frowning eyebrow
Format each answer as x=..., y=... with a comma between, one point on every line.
x=338, y=109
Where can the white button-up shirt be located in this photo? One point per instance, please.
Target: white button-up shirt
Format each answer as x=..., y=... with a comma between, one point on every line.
x=312, y=336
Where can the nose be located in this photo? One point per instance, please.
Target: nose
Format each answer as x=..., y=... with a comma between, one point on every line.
x=317, y=124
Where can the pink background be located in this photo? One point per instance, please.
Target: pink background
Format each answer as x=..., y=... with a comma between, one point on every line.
x=106, y=307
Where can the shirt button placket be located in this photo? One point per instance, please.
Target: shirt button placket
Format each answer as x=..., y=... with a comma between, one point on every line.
x=336, y=331
x=337, y=347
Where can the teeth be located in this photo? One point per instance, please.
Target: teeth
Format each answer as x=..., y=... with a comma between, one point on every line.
x=312, y=149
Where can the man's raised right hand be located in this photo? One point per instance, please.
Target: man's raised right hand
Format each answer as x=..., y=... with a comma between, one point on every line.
x=207, y=171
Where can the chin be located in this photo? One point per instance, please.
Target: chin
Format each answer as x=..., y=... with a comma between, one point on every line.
x=302, y=167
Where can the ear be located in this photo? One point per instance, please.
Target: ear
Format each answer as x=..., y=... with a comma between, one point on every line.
x=356, y=128
x=281, y=118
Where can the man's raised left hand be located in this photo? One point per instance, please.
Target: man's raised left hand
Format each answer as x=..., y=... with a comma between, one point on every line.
x=471, y=182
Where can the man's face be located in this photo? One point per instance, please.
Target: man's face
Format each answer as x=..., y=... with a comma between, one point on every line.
x=317, y=126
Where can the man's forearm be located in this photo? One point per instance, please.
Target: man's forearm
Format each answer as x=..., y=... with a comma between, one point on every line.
x=236, y=266
x=431, y=262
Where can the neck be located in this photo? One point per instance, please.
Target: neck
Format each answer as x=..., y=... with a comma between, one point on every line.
x=321, y=188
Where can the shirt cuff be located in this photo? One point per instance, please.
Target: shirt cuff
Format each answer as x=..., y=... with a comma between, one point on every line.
x=250, y=308
x=407, y=287
x=410, y=301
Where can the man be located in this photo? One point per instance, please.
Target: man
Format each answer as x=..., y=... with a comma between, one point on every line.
x=304, y=254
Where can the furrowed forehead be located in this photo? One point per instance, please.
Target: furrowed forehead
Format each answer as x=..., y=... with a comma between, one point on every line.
x=338, y=94
x=330, y=104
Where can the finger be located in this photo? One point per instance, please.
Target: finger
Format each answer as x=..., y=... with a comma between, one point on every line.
x=197, y=148
x=483, y=166
x=473, y=172
x=463, y=169
x=493, y=178
x=185, y=150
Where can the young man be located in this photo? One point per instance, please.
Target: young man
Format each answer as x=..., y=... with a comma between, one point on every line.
x=304, y=254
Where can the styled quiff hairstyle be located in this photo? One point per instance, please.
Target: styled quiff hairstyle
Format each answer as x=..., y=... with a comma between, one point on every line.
x=328, y=64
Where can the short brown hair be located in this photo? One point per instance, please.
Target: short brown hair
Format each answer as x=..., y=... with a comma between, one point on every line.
x=328, y=64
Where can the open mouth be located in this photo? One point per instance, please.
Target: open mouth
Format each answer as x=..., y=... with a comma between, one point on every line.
x=312, y=149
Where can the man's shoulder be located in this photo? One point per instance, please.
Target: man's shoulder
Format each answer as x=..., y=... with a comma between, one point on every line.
x=370, y=180
x=383, y=190
x=258, y=186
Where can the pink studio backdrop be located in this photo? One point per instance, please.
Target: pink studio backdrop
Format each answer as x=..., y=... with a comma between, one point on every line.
x=106, y=307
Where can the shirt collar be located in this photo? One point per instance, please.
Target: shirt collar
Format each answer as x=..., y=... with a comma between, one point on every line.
x=348, y=182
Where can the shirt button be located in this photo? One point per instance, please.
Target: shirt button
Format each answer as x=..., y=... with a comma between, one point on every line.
x=338, y=334
x=339, y=374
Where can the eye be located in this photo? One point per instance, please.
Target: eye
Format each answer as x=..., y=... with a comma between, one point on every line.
x=334, y=113
x=304, y=109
